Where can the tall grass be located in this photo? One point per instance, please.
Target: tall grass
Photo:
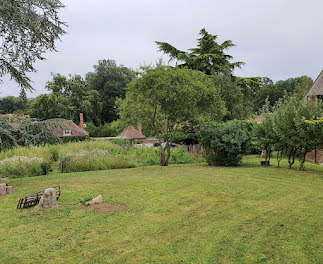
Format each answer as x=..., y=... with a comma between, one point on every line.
x=94, y=155
x=17, y=167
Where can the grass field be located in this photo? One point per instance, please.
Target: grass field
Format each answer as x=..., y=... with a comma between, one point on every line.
x=176, y=214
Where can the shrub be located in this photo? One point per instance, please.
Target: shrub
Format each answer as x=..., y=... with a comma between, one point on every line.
x=46, y=167
x=17, y=167
x=225, y=143
x=53, y=153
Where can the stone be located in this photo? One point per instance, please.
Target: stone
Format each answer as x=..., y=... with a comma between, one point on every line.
x=96, y=200
x=3, y=189
x=9, y=190
x=48, y=199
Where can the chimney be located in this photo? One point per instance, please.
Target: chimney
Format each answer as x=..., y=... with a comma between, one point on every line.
x=81, y=121
x=140, y=128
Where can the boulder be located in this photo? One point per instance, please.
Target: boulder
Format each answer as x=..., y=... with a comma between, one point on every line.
x=48, y=199
x=3, y=189
x=9, y=190
x=96, y=200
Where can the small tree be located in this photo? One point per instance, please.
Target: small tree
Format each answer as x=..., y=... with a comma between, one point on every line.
x=166, y=98
x=225, y=143
x=289, y=128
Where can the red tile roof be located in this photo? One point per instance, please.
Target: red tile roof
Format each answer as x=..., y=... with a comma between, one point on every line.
x=76, y=131
x=131, y=132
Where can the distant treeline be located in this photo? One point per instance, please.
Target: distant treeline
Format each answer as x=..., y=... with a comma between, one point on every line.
x=95, y=94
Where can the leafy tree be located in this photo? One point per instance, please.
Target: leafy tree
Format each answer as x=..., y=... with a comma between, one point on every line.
x=224, y=143
x=29, y=28
x=11, y=104
x=209, y=56
x=167, y=98
x=68, y=97
x=110, y=81
x=288, y=128
x=29, y=132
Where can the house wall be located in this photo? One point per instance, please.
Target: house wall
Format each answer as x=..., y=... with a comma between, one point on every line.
x=310, y=156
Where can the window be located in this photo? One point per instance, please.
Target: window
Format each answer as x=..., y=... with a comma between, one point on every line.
x=67, y=132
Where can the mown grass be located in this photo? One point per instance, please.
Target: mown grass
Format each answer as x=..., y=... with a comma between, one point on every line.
x=176, y=214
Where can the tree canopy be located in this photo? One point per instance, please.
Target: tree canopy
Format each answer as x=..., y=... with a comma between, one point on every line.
x=69, y=96
x=167, y=98
x=28, y=29
x=209, y=56
x=110, y=81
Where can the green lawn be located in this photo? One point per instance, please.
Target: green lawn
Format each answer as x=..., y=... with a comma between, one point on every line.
x=176, y=214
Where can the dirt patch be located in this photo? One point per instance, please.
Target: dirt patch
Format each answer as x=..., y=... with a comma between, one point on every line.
x=104, y=208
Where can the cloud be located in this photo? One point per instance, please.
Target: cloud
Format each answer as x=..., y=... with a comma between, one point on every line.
x=277, y=39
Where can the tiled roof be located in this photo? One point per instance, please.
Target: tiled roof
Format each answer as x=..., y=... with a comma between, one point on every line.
x=131, y=132
x=76, y=131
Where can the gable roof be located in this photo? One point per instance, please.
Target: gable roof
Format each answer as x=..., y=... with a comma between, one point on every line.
x=317, y=88
x=76, y=131
x=131, y=132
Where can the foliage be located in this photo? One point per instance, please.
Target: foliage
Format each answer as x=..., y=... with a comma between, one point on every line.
x=29, y=132
x=296, y=87
x=289, y=128
x=209, y=56
x=166, y=98
x=107, y=130
x=69, y=97
x=29, y=28
x=53, y=153
x=11, y=104
x=17, y=167
x=96, y=155
x=110, y=81
x=226, y=142
x=46, y=167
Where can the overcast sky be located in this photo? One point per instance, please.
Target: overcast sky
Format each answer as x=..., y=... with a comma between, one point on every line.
x=275, y=38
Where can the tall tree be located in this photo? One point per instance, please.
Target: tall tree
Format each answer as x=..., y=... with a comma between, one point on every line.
x=167, y=98
x=209, y=56
x=28, y=29
x=110, y=81
x=69, y=96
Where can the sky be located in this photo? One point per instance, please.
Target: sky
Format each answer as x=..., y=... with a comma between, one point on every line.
x=278, y=39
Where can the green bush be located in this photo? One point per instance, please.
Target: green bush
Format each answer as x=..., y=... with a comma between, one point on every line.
x=17, y=167
x=46, y=167
x=53, y=153
x=225, y=143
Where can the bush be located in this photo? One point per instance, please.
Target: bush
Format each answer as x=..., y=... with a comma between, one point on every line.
x=17, y=167
x=225, y=143
x=46, y=167
x=53, y=153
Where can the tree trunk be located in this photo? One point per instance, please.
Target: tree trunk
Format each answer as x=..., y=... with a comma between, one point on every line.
x=279, y=157
x=291, y=158
x=302, y=160
x=163, y=158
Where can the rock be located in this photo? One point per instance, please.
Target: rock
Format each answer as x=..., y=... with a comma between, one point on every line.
x=3, y=189
x=48, y=199
x=96, y=200
x=9, y=190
